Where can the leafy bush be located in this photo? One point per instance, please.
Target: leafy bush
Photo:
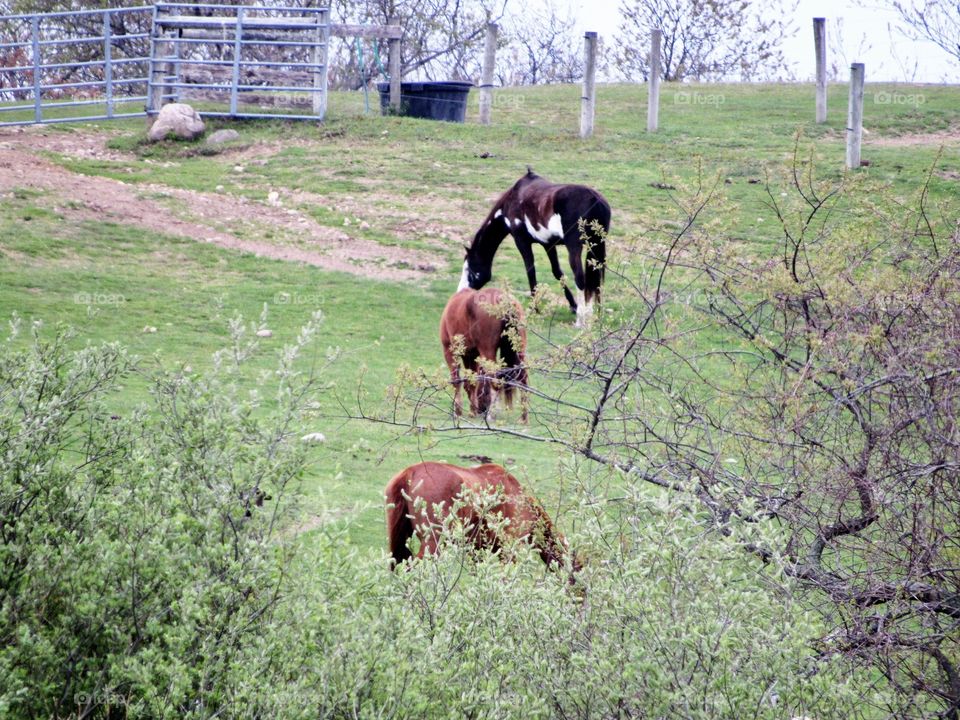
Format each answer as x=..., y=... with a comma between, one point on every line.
x=149, y=570
x=667, y=623
x=137, y=553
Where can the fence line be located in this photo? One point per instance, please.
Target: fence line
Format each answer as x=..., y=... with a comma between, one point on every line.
x=260, y=58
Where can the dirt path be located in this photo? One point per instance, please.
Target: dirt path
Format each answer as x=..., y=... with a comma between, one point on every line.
x=226, y=220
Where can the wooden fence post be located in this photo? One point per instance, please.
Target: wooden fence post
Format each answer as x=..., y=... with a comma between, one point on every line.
x=855, y=116
x=393, y=63
x=486, y=79
x=588, y=99
x=653, y=83
x=820, y=47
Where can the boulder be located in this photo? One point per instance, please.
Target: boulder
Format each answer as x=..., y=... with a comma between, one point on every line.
x=178, y=119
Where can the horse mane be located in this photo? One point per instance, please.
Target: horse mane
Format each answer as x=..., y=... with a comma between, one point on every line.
x=498, y=205
x=399, y=524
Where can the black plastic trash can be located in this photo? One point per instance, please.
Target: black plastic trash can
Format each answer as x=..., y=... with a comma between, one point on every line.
x=431, y=100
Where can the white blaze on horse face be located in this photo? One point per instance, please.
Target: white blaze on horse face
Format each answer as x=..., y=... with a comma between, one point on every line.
x=554, y=228
x=464, y=281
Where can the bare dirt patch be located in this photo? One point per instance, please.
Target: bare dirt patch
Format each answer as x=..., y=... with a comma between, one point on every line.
x=943, y=137
x=220, y=218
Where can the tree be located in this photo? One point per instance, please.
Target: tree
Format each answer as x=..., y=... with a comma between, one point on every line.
x=541, y=47
x=704, y=39
x=442, y=39
x=935, y=20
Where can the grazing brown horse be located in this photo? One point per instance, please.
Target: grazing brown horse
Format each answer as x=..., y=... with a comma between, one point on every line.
x=420, y=498
x=476, y=326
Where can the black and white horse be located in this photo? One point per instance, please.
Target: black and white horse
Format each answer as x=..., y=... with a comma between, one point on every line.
x=537, y=211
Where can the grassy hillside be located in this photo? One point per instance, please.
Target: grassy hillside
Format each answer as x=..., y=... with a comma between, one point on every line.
x=411, y=187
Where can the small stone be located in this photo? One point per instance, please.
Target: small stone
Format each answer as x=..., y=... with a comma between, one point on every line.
x=315, y=437
x=264, y=333
x=221, y=136
x=149, y=329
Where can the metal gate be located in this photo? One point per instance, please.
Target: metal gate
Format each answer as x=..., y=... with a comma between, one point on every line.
x=226, y=60
x=241, y=61
x=70, y=66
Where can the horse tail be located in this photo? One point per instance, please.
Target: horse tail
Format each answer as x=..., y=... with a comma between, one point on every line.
x=399, y=524
x=596, y=249
x=513, y=341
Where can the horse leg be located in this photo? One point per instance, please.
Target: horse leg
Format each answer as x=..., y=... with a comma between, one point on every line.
x=473, y=369
x=584, y=308
x=524, y=398
x=454, y=364
x=526, y=252
x=558, y=274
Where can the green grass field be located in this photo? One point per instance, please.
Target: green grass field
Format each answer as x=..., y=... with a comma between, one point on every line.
x=418, y=185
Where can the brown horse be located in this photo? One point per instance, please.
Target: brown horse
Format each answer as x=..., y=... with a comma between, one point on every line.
x=420, y=498
x=476, y=326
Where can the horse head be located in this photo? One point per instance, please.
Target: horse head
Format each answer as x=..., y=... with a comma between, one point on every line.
x=482, y=394
x=477, y=270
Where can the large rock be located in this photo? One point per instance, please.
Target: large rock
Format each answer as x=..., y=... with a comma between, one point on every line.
x=177, y=119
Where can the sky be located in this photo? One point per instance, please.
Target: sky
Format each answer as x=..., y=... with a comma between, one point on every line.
x=863, y=36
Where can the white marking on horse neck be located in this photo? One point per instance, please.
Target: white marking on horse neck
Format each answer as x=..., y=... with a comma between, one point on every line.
x=554, y=228
x=464, y=280
x=584, y=310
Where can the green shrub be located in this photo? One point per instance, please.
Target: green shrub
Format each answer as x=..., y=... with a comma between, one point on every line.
x=149, y=569
x=666, y=622
x=137, y=553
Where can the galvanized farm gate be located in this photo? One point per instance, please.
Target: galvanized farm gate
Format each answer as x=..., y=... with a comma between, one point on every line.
x=259, y=62
x=68, y=66
x=229, y=60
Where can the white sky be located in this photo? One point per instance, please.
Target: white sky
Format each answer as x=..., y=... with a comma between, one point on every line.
x=887, y=56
